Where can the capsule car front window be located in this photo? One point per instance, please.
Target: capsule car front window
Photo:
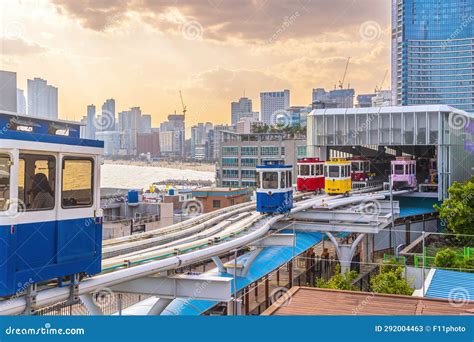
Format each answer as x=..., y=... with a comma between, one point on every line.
x=77, y=183
x=333, y=171
x=4, y=182
x=304, y=170
x=36, y=181
x=270, y=180
x=398, y=169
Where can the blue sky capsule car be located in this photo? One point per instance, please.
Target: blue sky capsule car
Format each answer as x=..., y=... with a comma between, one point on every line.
x=274, y=187
x=50, y=226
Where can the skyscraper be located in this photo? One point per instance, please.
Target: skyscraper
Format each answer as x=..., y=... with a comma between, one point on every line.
x=271, y=103
x=129, y=123
x=91, y=123
x=242, y=109
x=42, y=99
x=432, y=59
x=145, y=123
x=20, y=102
x=8, y=91
x=108, y=116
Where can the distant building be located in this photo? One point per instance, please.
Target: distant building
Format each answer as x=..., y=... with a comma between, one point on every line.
x=112, y=142
x=239, y=154
x=108, y=116
x=91, y=122
x=245, y=125
x=171, y=144
x=271, y=103
x=295, y=116
x=213, y=199
x=242, y=109
x=129, y=122
x=8, y=92
x=337, y=98
x=172, y=136
x=149, y=143
x=145, y=123
x=365, y=100
x=42, y=99
x=383, y=98
x=20, y=102
x=199, y=140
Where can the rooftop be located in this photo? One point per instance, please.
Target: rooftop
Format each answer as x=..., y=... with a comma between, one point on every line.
x=391, y=109
x=305, y=301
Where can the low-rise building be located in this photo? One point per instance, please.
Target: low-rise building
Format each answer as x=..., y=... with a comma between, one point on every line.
x=216, y=198
x=241, y=153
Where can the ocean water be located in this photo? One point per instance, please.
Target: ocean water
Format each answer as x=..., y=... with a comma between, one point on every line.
x=141, y=177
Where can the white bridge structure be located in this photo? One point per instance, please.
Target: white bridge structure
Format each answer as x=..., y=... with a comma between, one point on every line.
x=144, y=263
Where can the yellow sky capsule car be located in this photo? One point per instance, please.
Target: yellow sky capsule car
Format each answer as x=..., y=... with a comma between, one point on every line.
x=337, y=173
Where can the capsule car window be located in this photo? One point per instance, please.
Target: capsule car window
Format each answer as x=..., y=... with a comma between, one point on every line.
x=36, y=181
x=4, y=182
x=77, y=182
x=270, y=180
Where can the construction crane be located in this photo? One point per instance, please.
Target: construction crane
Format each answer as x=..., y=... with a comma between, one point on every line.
x=341, y=83
x=182, y=104
x=377, y=88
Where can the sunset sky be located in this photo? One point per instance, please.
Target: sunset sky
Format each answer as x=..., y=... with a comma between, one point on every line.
x=142, y=52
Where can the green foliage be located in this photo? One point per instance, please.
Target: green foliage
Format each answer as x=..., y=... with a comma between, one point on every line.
x=458, y=210
x=339, y=281
x=390, y=280
x=446, y=258
x=279, y=128
x=449, y=259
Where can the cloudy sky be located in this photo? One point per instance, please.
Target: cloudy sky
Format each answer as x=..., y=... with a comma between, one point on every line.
x=142, y=52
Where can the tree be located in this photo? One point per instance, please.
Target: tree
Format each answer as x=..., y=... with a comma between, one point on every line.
x=390, y=280
x=458, y=210
x=446, y=258
x=339, y=281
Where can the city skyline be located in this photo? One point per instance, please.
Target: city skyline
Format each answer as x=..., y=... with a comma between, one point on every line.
x=263, y=55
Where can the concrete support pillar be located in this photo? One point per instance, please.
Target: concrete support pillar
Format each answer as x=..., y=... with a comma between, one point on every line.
x=345, y=253
x=159, y=306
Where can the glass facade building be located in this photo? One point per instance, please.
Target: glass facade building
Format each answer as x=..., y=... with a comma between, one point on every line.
x=433, y=52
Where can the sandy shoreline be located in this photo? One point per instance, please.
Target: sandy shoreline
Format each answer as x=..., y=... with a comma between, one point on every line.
x=205, y=167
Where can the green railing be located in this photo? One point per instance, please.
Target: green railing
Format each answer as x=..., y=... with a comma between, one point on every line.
x=428, y=261
x=401, y=260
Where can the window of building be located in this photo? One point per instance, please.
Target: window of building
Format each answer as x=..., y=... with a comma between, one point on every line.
x=216, y=203
x=5, y=164
x=36, y=181
x=77, y=182
x=270, y=180
x=269, y=151
x=249, y=150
